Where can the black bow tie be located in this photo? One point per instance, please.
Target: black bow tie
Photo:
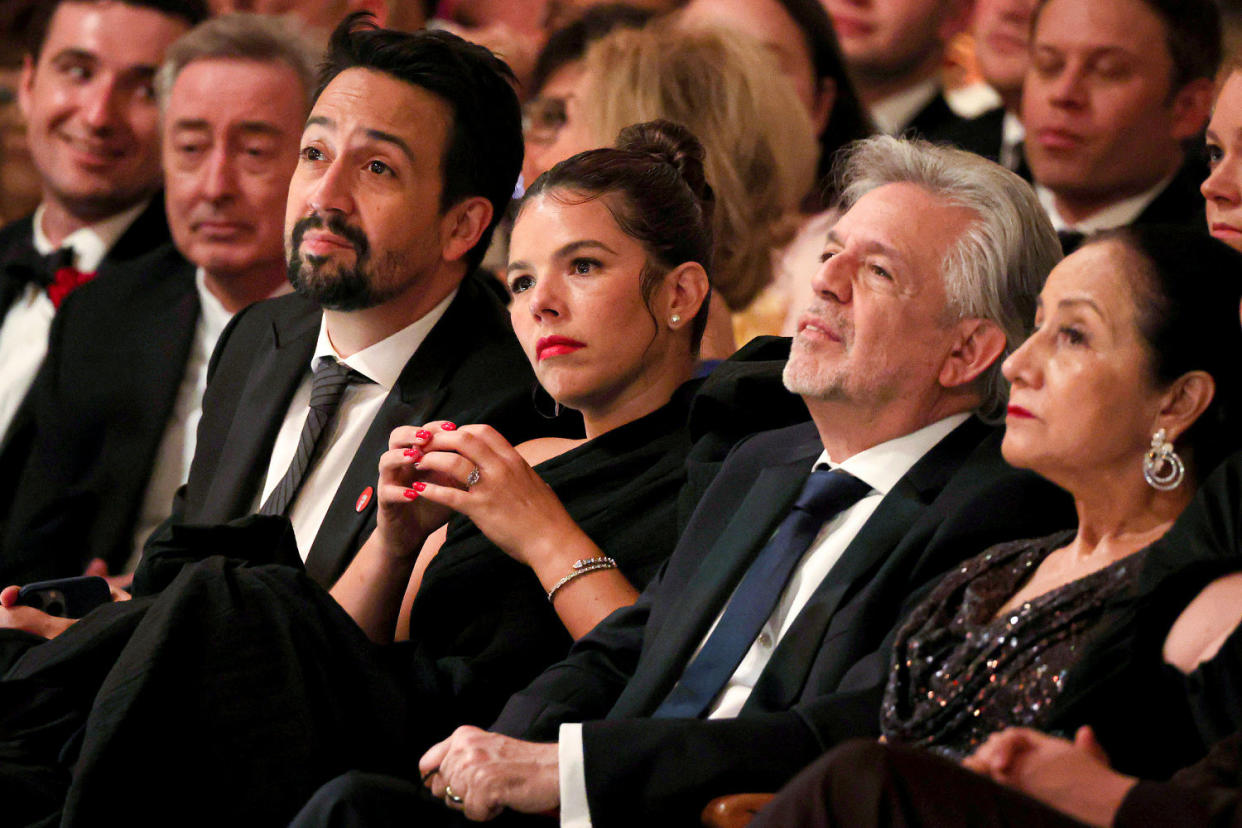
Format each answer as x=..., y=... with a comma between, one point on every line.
x=25, y=265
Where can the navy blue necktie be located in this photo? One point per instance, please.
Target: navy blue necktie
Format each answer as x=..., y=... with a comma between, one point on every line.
x=826, y=493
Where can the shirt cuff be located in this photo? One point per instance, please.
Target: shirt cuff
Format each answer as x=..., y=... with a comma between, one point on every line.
x=575, y=812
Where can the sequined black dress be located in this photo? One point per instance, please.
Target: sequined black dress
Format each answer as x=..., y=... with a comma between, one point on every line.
x=960, y=673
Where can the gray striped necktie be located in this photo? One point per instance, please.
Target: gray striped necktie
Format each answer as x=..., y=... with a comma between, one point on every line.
x=327, y=386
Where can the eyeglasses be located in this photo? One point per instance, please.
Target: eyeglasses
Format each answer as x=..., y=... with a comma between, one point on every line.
x=542, y=119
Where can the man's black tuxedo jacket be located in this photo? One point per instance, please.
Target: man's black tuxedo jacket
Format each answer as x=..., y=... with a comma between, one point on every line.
x=469, y=369
x=117, y=354
x=824, y=680
x=148, y=233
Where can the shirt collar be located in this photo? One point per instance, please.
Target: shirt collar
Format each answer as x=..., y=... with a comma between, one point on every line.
x=1117, y=214
x=215, y=315
x=90, y=244
x=383, y=362
x=894, y=113
x=881, y=466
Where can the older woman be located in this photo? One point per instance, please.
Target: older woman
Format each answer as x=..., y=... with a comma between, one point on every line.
x=1127, y=395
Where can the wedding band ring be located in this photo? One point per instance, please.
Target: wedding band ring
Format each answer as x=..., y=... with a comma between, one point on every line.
x=452, y=797
x=472, y=478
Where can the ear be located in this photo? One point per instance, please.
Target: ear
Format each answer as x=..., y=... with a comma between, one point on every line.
x=686, y=288
x=821, y=107
x=462, y=226
x=25, y=86
x=1192, y=107
x=1187, y=398
x=979, y=344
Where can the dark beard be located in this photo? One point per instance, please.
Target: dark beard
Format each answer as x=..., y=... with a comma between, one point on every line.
x=346, y=288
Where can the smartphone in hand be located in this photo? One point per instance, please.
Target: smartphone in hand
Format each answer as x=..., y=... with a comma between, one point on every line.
x=66, y=597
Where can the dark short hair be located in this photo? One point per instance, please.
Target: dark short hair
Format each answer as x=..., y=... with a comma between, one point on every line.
x=1187, y=292
x=570, y=42
x=192, y=12
x=484, y=152
x=660, y=198
x=1192, y=34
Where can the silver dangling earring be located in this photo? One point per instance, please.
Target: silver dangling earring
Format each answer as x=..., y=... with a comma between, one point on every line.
x=1162, y=468
x=675, y=320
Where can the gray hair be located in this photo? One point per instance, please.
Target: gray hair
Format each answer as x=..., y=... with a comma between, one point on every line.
x=254, y=37
x=998, y=265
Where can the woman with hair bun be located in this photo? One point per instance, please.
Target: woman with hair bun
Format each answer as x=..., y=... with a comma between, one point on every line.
x=608, y=274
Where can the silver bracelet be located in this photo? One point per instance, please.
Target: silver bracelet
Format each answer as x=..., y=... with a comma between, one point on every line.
x=582, y=567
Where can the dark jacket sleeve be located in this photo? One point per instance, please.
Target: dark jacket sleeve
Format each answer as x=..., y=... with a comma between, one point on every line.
x=1206, y=793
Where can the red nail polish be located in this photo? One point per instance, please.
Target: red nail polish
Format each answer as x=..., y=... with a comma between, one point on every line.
x=448, y=427
x=415, y=453
x=422, y=434
x=419, y=486
x=410, y=494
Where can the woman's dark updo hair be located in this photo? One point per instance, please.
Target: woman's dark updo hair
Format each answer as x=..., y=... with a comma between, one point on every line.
x=1187, y=301
x=662, y=199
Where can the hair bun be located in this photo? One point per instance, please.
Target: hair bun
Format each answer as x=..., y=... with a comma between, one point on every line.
x=672, y=144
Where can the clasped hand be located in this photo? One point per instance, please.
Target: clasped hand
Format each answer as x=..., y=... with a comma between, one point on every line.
x=1073, y=777
x=489, y=772
x=433, y=470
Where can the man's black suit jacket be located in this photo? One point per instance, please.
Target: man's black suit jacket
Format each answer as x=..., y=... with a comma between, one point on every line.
x=117, y=354
x=1180, y=202
x=149, y=232
x=825, y=678
x=934, y=122
x=469, y=369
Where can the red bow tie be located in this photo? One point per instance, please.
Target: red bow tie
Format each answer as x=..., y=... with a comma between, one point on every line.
x=65, y=281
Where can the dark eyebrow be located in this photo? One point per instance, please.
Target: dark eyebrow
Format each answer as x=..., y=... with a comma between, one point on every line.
x=246, y=127
x=375, y=134
x=567, y=250
x=141, y=71
x=396, y=140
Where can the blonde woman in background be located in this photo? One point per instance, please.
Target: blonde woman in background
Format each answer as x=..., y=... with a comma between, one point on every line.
x=760, y=144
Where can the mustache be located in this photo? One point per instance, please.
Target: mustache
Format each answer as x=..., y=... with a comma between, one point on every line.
x=334, y=224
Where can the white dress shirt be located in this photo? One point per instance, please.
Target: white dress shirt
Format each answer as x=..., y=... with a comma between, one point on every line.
x=381, y=363
x=881, y=467
x=176, y=449
x=894, y=113
x=1117, y=214
x=23, y=333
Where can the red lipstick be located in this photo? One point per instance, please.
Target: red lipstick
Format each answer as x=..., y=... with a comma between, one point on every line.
x=551, y=346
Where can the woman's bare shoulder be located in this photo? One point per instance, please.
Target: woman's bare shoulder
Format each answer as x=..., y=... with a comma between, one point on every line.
x=1198, y=633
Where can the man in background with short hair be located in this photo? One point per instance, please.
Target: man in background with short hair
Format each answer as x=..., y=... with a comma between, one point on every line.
x=117, y=403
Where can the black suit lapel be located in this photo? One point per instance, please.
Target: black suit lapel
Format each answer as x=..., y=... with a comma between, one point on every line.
x=1180, y=202
x=260, y=413
x=782, y=680
x=765, y=505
